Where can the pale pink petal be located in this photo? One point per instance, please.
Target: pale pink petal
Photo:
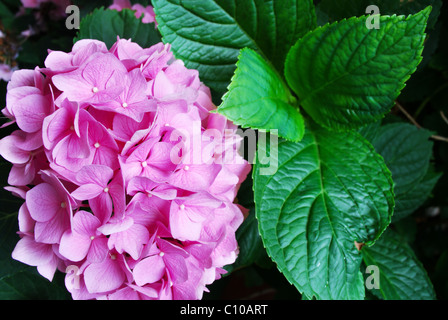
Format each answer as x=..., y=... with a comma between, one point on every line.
x=130, y=240
x=87, y=191
x=149, y=270
x=43, y=202
x=33, y=253
x=98, y=250
x=74, y=246
x=104, y=276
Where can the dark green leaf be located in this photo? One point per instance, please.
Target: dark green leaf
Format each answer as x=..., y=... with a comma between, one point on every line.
x=401, y=274
x=208, y=34
x=342, y=9
x=106, y=25
x=330, y=190
x=407, y=152
x=28, y=285
x=251, y=248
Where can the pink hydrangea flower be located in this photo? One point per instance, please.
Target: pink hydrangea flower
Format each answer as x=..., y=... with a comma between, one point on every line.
x=147, y=12
x=129, y=180
x=6, y=71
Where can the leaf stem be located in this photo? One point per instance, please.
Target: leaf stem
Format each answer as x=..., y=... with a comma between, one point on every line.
x=428, y=99
x=414, y=122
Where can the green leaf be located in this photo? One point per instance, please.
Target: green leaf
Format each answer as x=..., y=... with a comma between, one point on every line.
x=407, y=152
x=347, y=75
x=401, y=274
x=330, y=190
x=208, y=34
x=106, y=25
x=415, y=197
x=29, y=285
x=259, y=98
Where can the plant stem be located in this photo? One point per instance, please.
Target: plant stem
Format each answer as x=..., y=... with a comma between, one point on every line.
x=428, y=99
x=414, y=122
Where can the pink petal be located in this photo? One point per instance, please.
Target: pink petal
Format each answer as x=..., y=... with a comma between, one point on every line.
x=198, y=177
x=43, y=202
x=98, y=250
x=87, y=192
x=85, y=223
x=74, y=246
x=104, y=276
x=33, y=253
x=31, y=111
x=10, y=151
x=26, y=223
x=51, y=231
x=130, y=240
x=149, y=270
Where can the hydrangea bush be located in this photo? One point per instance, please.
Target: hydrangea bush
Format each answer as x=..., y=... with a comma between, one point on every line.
x=133, y=179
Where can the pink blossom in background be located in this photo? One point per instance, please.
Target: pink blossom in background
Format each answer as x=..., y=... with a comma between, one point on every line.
x=6, y=71
x=127, y=178
x=147, y=12
x=57, y=12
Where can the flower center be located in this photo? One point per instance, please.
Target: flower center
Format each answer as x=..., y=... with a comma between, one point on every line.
x=63, y=205
x=95, y=90
x=106, y=189
x=186, y=168
x=124, y=105
x=97, y=145
x=144, y=164
x=182, y=207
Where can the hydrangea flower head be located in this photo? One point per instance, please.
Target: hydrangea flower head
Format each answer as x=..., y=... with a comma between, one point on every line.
x=128, y=179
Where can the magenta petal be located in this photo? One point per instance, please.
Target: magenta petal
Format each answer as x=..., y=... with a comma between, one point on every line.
x=149, y=270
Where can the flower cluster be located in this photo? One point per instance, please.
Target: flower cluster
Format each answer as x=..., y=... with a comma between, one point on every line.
x=129, y=180
x=147, y=12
